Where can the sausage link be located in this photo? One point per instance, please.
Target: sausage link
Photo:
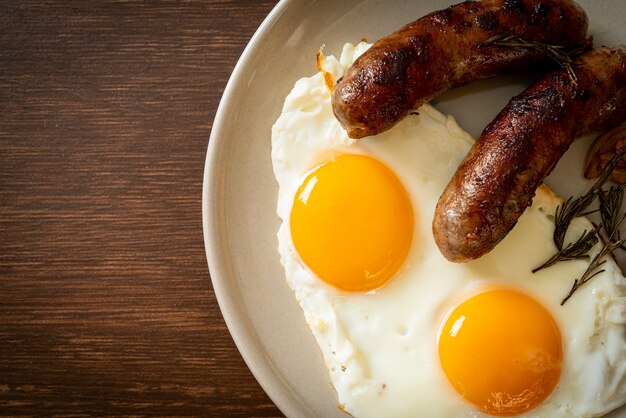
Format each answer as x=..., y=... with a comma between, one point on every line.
x=447, y=49
x=498, y=178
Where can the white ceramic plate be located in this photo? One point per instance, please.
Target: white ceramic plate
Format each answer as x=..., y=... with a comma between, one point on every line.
x=239, y=195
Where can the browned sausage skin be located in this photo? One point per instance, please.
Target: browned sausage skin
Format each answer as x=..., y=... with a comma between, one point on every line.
x=446, y=49
x=498, y=178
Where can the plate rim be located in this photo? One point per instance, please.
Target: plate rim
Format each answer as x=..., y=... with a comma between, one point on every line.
x=226, y=292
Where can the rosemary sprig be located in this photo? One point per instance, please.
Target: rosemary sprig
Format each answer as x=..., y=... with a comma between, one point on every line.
x=576, y=250
x=557, y=53
x=563, y=217
x=607, y=172
x=566, y=212
x=610, y=206
x=592, y=269
x=610, y=203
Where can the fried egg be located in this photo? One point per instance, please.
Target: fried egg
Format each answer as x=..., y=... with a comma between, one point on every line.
x=405, y=333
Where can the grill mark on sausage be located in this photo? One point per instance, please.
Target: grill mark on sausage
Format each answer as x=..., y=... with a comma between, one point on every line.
x=445, y=49
x=498, y=178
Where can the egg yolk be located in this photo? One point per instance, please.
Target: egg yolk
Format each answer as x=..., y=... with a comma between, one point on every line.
x=501, y=350
x=352, y=222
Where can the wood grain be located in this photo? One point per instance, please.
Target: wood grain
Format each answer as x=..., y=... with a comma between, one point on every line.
x=106, y=306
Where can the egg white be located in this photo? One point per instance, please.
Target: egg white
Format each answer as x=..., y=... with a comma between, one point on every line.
x=380, y=347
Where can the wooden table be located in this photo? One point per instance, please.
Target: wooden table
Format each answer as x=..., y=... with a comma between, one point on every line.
x=106, y=305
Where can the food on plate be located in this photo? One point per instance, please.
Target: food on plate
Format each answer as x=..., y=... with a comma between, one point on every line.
x=607, y=230
x=605, y=147
x=396, y=336
x=445, y=49
x=496, y=181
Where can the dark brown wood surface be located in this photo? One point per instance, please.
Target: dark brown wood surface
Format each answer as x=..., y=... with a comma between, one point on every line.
x=106, y=305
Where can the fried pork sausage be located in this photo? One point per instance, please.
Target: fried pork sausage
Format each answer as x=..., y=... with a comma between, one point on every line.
x=497, y=179
x=447, y=49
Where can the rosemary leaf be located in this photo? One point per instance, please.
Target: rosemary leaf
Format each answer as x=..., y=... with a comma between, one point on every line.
x=575, y=250
x=607, y=172
x=557, y=53
x=578, y=283
x=610, y=206
x=565, y=213
x=597, y=261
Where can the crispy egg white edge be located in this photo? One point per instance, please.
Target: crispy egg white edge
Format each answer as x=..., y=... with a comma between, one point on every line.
x=605, y=297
